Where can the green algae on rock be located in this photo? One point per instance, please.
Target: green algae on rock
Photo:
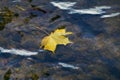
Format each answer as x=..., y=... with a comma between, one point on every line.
x=7, y=75
x=6, y=16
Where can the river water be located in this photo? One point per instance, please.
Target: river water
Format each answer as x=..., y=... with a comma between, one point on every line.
x=93, y=55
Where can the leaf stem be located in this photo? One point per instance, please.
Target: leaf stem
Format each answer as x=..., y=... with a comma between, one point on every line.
x=42, y=30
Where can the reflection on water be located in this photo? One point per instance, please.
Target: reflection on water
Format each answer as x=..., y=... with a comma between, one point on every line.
x=111, y=15
x=68, y=6
x=18, y=52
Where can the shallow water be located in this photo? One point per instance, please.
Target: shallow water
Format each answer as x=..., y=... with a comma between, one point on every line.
x=94, y=54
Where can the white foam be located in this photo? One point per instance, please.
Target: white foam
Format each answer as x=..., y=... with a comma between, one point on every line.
x=110, y=15
x=68, y=65
x=64, y=5
x=68, y=6
x=21, y=52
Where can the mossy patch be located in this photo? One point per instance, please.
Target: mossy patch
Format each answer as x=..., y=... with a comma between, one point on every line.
x=6, y=16
x=7, y=75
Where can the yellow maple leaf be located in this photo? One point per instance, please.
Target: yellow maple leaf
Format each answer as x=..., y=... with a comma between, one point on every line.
x=55, y=38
